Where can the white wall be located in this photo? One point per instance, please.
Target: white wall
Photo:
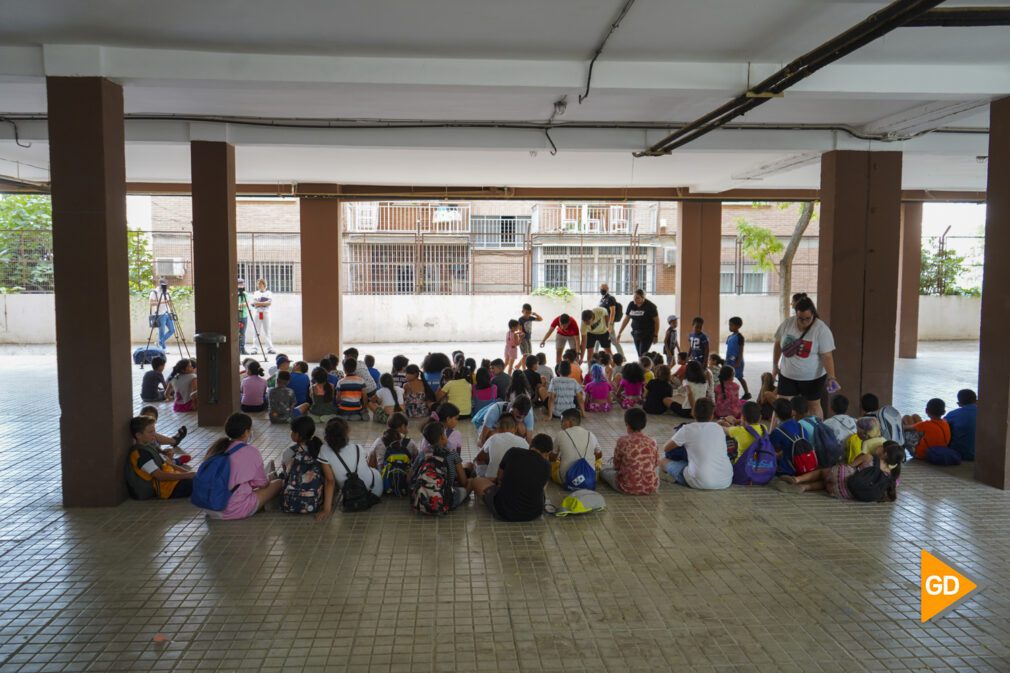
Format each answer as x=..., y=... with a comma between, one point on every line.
x=30, y=318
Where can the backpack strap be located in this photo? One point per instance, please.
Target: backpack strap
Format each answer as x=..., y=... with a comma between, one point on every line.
x=235, y=448
x=346, y=469
x=586, y=450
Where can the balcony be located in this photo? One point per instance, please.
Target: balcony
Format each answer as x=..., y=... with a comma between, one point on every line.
x=405, y=217
x=595, y=218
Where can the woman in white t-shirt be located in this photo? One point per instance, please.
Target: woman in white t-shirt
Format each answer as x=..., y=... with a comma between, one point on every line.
x=803, y=357
x=355, y=458
x=707, y=466
x=262, y=300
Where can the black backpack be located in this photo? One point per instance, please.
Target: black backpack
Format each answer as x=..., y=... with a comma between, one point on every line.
x=869, y=484
x=354, y=495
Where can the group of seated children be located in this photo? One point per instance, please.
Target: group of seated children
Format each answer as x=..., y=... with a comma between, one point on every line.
x=180, y=387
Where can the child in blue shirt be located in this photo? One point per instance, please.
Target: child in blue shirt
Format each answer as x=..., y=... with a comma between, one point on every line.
x=787, y=431
x=734, y=352
x=697, y=342
x=962, y=424
x=370, y=365
x=300, y=382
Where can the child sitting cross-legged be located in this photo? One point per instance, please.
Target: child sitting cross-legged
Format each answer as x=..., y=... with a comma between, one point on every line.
x=633, y=468
x=707, y=465
x=659, y=392
x=935, y=432
x=254, y=389
x=496, y=446
x=598, y=390
x=517, y=491
x=632, y=385
x=281, y=400
x=572, y=444
x=148, y=474
x=173, y=442
x=309, y=484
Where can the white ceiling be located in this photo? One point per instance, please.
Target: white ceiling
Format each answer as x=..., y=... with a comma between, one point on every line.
x=479, y=60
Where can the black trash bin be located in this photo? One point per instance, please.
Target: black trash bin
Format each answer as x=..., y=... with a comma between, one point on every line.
x=213, y=378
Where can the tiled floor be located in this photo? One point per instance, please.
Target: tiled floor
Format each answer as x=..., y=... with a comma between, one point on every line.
x=735, y=581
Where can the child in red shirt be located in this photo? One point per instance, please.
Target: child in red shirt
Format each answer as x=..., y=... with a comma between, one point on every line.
x=935, y=431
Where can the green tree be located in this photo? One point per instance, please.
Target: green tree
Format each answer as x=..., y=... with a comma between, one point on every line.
x=141, y=261
x=940, y=271
x=760, y=245
x=26, y=246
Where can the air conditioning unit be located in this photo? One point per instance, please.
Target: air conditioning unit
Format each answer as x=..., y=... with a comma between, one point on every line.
x=170, y=267
x=670, y=256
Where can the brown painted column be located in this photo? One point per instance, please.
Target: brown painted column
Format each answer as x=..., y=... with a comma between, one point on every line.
x=88, y=172
x=321, y=253
x=908, y=292
x=857, y=276
x=699, y=239
x=215, y=265
x=992, y=435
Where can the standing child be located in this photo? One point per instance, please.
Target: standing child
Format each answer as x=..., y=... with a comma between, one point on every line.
x=253, y=389
x=309, y=484
x=153, y=387
x=513, y=338
x=727, y=395
x=526, y=320
x=183, y=381
x=598, y=390
x=734, y=352
x=697, y=342
x=633, y=469
x=671, y=346
x=148, y=474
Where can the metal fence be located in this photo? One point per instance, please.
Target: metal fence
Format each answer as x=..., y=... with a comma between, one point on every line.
x=952, y=264
x=26, y=259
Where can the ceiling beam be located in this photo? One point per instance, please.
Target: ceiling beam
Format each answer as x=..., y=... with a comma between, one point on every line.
x=962, y=17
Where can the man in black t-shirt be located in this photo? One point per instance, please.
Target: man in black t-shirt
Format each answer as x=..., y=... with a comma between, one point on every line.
x=644, y=318
x=522, y=476
x=614, y=307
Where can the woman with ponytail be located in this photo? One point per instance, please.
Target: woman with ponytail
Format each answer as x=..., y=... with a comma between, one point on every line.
x=250, y=485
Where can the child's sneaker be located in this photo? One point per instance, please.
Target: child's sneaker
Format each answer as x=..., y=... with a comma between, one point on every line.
x=180, y=434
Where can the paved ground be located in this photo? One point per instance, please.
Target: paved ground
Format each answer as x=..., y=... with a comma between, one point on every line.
x=736, y=581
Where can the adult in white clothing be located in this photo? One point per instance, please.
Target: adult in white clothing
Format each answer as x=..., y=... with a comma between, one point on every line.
x=262, y=300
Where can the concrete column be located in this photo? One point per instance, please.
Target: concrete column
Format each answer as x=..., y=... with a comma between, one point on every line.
x=88, y=173
x=857, y=276
x=215, y=265
x=321, y=253
x=699, y=243
x=908, y=294
x=992, y=438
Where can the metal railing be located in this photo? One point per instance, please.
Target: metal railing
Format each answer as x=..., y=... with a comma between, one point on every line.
x=595, y=218
x=405, y=217
x=741, y=275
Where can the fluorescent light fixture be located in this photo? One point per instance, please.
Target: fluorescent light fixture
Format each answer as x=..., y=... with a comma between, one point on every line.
x=922, y=118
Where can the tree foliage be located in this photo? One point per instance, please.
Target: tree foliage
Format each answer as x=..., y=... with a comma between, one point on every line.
x=940, y=273
x=758, y=244
x=26, y=245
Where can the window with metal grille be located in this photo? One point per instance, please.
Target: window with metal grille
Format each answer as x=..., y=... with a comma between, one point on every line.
x=583, y=268
x=499, y=231
x=280, y=276
x=751, y=282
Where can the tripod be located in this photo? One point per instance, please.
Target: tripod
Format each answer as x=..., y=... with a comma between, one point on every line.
x=244, y=299
x=165, y=297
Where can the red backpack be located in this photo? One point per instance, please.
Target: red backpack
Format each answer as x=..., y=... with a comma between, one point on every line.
x=802, y=453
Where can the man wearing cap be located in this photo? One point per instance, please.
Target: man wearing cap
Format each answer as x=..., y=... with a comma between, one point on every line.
x=671, y=346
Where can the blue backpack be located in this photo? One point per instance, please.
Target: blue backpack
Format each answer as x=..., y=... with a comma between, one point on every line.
x=210, y=486
x=581, y=475
x=757, y=465
x=826, y=444
x=477, y=419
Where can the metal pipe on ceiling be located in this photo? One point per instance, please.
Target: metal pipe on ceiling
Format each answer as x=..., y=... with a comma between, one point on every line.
x=962, y=17
x=893, y=16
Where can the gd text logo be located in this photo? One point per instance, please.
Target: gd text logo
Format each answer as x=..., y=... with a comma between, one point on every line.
x=940, y=586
